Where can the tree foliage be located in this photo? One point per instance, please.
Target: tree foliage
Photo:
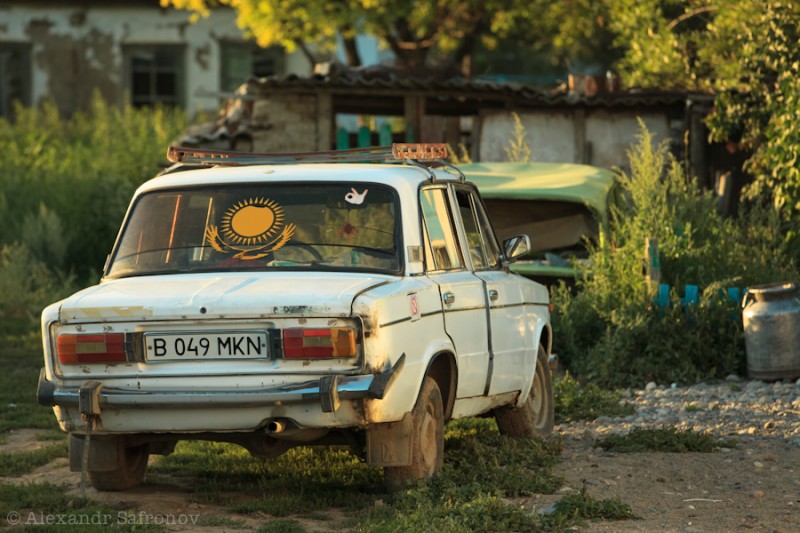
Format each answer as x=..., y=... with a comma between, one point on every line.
x=746, y=53
x=441, y=33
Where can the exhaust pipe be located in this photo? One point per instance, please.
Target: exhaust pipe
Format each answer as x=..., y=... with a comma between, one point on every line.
x=276, y=425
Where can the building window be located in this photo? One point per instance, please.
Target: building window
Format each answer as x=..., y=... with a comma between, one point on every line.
x=240, y=61
x=155, y=74
x=15, y=76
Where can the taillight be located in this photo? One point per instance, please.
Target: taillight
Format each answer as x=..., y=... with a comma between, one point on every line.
x=318, y=343
x=101, y=348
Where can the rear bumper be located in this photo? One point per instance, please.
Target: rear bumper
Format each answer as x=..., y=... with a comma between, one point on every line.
x=92, y=398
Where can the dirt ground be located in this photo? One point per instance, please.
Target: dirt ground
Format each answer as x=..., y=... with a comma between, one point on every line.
x=752, y=487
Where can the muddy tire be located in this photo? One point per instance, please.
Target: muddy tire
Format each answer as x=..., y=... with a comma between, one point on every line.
x=131, y=467
x=427, y=446
x=535, y=417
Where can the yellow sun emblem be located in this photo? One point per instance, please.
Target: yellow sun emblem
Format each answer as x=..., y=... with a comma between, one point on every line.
x=254, y=228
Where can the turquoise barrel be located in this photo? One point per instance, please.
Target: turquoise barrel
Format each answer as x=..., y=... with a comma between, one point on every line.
x=771, y=317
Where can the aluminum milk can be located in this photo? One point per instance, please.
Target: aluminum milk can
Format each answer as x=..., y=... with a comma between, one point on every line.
x=771, y=316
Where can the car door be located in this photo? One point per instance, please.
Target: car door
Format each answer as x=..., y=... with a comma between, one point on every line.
x=462, y=293
x=510, y=344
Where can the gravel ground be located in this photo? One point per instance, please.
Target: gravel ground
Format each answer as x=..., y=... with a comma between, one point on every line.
x=753, y=486
x=731, y=408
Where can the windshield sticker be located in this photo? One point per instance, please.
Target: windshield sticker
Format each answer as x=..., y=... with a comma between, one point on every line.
x=348, y=230
x=251, y=229
x=354, y=197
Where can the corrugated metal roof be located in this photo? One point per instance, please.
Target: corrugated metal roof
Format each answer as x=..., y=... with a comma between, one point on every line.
x=387, y=81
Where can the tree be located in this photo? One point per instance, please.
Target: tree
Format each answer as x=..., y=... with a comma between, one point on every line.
x=758, y=102
x=746, y=53
x=441, y=33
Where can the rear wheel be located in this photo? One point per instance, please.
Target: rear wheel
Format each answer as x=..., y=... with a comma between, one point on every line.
x=427, y=446
x=535, y=417
x=130, y=470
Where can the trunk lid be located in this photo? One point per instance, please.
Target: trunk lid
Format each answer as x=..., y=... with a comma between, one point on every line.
x=218, y=295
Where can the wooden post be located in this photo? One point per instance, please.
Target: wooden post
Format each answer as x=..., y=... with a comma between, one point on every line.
x=653, y=265
x=414, y=110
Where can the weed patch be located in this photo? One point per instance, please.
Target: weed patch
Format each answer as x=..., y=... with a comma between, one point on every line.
x=304, y=479
x=222, y=522
x=282, y=526
x=482, y=469
x=664, y=439
x=580, y=506
x=494, y=464
x=574, y=401
x=20, y=362
x=45, y=507
x=21, y=463
x=53, y=435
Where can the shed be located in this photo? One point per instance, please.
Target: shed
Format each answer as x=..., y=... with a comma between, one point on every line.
x=304, y=113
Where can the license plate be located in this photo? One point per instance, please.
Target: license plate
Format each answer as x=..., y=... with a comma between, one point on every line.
x=216, y=345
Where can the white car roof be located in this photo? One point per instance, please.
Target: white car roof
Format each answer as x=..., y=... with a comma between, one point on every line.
x=399, y=176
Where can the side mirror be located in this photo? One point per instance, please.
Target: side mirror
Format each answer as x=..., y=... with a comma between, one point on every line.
x=516, y=247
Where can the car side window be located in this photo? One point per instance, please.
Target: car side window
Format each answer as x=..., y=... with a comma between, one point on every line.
x=441, y=246
x=487, y=234
x=481, y=245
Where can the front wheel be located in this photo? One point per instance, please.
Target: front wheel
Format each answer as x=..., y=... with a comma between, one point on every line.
x=535, y=417
x=427, y=440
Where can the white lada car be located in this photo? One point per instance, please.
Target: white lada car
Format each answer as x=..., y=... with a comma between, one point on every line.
x=273, y=302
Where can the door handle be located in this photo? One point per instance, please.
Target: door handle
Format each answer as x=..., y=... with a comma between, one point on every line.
x=448, y=298
x=493, y=295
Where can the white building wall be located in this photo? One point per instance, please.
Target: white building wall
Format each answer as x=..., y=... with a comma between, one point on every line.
x=548, y=134
x=99, y=33
x=612, y=134
x=553, y=136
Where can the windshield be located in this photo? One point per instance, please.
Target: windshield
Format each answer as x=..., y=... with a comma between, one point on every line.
x=345, y=226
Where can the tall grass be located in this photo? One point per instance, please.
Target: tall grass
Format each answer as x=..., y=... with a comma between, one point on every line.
x=64, y=187
x=82, y=169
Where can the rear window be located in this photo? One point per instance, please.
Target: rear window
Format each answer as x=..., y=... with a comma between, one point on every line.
x=346, y=226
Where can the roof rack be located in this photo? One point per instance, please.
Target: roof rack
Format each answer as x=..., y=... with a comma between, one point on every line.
x=397, y=152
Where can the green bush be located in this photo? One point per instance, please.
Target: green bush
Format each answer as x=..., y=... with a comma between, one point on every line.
x=27, y=285
x=64, y=188
x=611, y=331
x=83, y=169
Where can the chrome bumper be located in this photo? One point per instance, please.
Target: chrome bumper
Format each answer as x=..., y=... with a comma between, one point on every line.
x=328, y=390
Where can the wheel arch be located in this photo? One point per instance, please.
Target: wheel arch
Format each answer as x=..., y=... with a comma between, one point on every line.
x=542, y=336
x=443, y=369
x=545, y=336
